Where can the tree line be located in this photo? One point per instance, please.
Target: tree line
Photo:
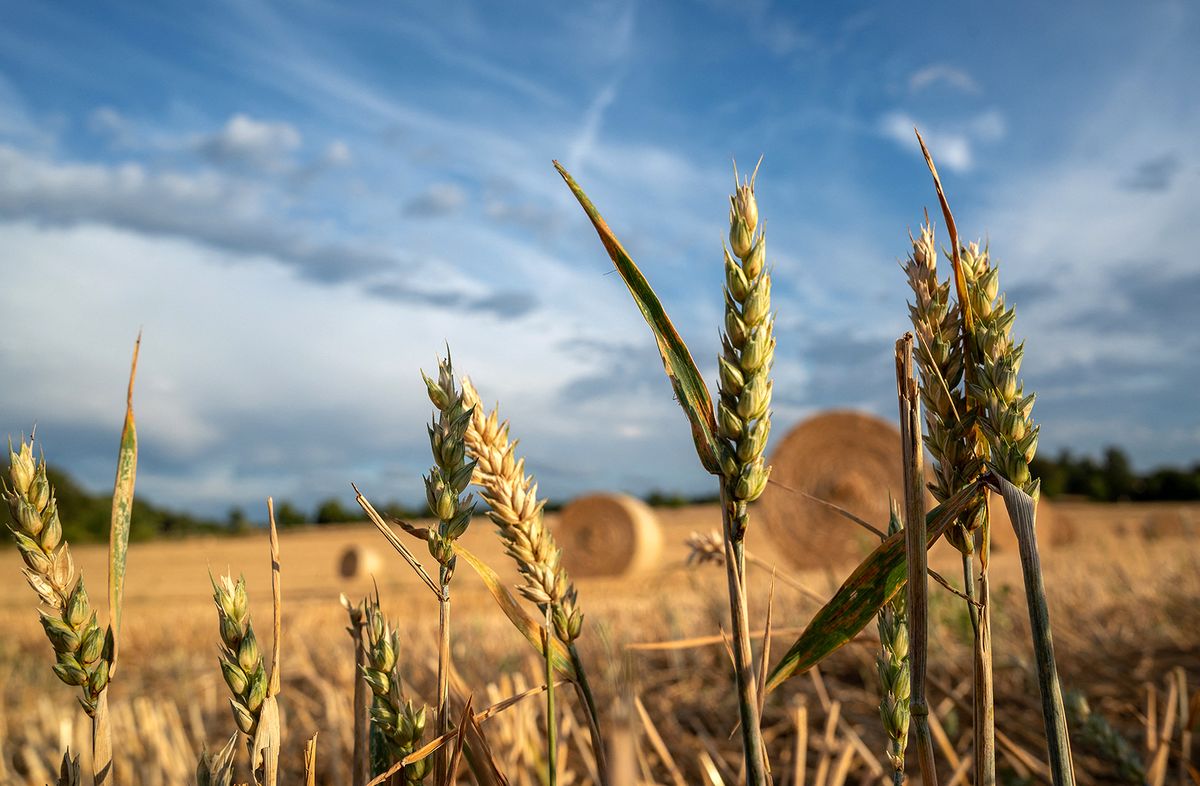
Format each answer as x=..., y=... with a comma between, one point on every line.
x=85, y=516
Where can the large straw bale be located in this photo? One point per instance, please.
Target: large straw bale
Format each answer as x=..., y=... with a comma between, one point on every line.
x=850, y=459
x=609, y=535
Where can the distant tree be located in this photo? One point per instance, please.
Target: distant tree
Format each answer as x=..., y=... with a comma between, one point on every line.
x=237, y=520
x=665, y=499
x=1119, y=479
x=288, y=515
x=398, y=510
x=331, y=511
x=1052, y=473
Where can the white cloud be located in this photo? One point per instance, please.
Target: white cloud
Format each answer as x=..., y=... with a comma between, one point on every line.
x=942, y=74
x=16, y=122
x=952, y=144
x=253, y=382
x=949, y=149
x=584, y=144
x=111, y=124
x=246, y=141
x=337, y=154
x=439, y=199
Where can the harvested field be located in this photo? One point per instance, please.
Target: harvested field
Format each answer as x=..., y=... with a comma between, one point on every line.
x=1123, y=626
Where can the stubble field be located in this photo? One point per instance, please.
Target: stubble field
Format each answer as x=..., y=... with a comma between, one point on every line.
x=1124, y=583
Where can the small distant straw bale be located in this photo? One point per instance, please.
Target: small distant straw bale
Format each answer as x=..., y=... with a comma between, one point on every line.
x=609, y=535
x=356, y=562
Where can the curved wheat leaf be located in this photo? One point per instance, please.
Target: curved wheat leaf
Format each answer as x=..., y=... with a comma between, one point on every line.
x=690, y=389
x=873, y=583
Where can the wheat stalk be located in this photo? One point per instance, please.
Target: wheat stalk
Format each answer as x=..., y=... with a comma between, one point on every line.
x=893, y=666
x=514, y=507
x=959, y=451
x=400, y=725
x=744, y=423
x=444, y=486
x=80, y=646
x=240, y=658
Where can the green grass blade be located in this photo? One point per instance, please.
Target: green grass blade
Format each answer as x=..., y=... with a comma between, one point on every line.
x=690, y=390
x=527, y=625
x=122, y=510
x=873, y=583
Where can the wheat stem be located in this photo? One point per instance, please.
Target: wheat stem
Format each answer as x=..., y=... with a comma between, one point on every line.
x=917, y=591
x=551, y=716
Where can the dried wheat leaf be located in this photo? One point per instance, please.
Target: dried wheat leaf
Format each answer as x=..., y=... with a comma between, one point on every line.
x=122, y=511
x=880, y=576
x=690, y=388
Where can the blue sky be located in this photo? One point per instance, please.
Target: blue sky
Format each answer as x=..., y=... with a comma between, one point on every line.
x=301, y=202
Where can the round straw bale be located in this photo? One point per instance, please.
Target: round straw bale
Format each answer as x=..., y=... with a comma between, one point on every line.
x=850, y=459
x=356, y=562
x=608, y=535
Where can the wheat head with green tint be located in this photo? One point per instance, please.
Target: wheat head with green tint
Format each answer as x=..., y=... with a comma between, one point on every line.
x=444, y=486
x=514, y=507
x=747, y=352
x=893, y=666
x=399, y=724
x=79, y=642
x=1003, y=406
x=937, y=324
x=743, y=424
x=239, y=656
x=451, y=472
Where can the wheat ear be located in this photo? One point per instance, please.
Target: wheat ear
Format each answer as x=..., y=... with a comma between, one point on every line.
x=444, y=487
x=514, y=507
x=239, y=656
x=748, y=350
x=400, y=725
x=893, y=666
x=1005, y=409
x=744, y=423
x=937, y=324
x=80, y=645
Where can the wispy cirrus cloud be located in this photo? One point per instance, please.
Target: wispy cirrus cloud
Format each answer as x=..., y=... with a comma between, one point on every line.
x=942, y=74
